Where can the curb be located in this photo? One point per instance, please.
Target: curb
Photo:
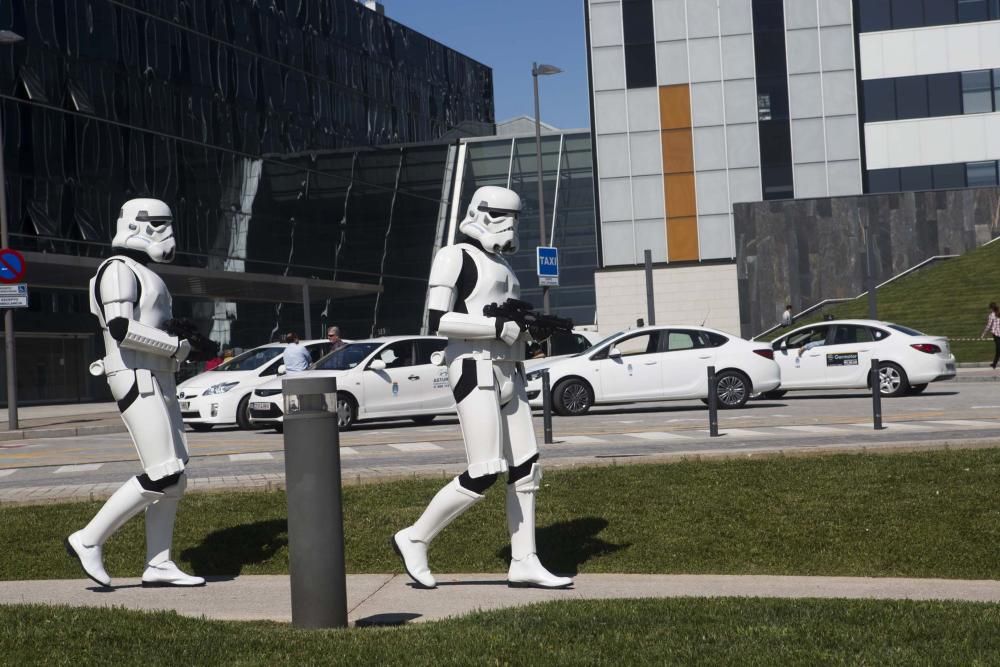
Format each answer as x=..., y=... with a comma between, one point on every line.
x=63, y=432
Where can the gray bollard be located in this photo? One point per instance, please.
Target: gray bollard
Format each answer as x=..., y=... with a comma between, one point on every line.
x=713, y=404
x=876, y=396
x=546, y=407
x=315, y=518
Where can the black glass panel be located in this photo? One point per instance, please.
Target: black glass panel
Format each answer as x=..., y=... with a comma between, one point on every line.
x=637, y=21
x=640, y=66
x=940, y=12
x=879, y=100
x=916, y=178
x=911, y=97
x=944, y=92
x=977, y=93
x=772, y=99
x=949, y=176
x=883, y=180
x=981, y=174
x=973, y=10
x=907, y=14
x=875, y=15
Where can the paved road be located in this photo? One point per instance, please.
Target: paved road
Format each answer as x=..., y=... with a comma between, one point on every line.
x=953, y=412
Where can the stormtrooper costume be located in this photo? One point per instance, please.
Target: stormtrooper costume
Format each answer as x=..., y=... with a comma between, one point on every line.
x=486, y=375
x=132, y=303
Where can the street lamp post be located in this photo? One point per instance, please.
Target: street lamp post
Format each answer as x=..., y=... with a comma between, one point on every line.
x=8, y=37
x=536, y=71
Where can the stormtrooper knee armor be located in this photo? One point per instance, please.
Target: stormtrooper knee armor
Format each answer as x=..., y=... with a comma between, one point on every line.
x=484, y=357
x=132, y=304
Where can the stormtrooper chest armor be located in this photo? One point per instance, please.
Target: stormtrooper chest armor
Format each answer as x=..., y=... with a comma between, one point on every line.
x=494, y=282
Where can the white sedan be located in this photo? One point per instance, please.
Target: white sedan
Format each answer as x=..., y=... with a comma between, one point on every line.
x=382, y=378
x=221, y=396
x=838, y=355
x=657, y=363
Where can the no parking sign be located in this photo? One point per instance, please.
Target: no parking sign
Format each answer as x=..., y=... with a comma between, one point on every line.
x=13, y=293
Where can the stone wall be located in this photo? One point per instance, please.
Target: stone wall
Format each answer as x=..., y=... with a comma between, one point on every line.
x=803, y=251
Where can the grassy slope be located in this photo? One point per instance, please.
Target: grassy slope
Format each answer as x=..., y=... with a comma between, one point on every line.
x=924, y=515
x=622, y=632
x=947, y=299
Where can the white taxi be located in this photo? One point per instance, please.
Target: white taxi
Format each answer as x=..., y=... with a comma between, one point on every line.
x=657, y=363
x=838, y=355
x=392, y=377
x=221, y=396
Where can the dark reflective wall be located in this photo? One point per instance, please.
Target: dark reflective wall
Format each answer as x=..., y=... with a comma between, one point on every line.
x=271, y=127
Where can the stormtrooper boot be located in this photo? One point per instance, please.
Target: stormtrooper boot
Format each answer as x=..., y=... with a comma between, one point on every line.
x=525, y=568
x=160, y=570
x=411, y=543
x=85, y=545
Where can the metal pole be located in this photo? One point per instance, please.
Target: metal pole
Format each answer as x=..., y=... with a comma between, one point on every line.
x=876, y=396
x=546, y=407
x=541, y=187
x=8, y=316
x=315, y=517
x=713, y=404
x=306, y=314
x=650, y=310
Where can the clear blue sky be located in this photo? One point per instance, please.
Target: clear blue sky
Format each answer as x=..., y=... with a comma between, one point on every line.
x=508, y=36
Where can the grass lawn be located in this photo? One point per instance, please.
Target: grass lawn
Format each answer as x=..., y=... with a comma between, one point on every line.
x=934, y=514
x=621, y=632
x=950, y=299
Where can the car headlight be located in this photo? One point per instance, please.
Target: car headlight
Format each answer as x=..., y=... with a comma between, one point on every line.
x=533, y=375
x=220, y=388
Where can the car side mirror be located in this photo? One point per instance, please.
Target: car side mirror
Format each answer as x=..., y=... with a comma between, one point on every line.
x=282, y=370
x=376, y=365
x=614, y=352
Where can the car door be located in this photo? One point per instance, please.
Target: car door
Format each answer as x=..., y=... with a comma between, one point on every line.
x=393, y=390
x=848, y=356
x=685, y=364
x=437, y=396
x=634, y=374
x=802, y=367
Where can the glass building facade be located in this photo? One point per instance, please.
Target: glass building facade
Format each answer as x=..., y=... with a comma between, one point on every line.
x=303, y=146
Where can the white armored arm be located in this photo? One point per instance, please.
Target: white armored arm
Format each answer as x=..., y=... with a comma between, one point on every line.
x=119, y=292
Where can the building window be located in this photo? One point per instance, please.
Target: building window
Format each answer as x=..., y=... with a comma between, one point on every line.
x=640, y=52
x=875, y=15
x=911, y=97
x=907, y=14
x=945, y=94
x=949, y=176
x=916, y=178
x=996, y=90
x=974, y=10
x=879, y=100
x=772, y=99
x=981, y=174
x=940, y=12
x=977, y=94
x=883, y=180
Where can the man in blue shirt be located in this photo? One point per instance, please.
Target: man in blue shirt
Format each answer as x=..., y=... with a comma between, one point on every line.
x=295, y=356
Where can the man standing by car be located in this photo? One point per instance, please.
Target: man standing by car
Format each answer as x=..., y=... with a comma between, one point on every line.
x=295, y=356
x=333, y=335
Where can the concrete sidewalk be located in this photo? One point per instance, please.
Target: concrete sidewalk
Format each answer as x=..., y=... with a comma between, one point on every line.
x=392, y=599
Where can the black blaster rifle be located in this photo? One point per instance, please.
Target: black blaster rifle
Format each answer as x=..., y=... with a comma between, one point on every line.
x=539, y=325
x=202, y=348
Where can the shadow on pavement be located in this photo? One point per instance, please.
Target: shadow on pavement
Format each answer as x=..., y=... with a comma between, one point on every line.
x=227, y=551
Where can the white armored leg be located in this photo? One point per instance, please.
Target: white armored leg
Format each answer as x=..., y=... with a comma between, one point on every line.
x=85, y=544
x=525, y=568
x=411, y=543
x=160, y=569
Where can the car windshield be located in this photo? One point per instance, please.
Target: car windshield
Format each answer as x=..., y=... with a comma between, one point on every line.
x=598, y=344
x=250, y=360
x=346, y=357
x=907, y=330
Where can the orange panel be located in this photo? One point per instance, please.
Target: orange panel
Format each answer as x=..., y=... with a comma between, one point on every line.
x=675, y=107
x=680, y=196
x=682, y=239
x=678, y=151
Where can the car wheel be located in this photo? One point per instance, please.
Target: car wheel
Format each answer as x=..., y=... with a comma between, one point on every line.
x=917, y=388
x=423, y=420
x=347, y=412
x=892, y=380
x=774, y=394
x=201, y=427
x=572, y=397
x=733, y=389
x=243, y=414
x=279, y=428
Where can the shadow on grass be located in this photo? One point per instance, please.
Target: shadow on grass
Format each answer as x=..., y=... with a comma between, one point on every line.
x=564, y=546
x=227, y=551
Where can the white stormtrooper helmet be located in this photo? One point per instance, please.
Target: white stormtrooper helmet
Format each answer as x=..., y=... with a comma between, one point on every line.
x=146, y=225
x=492, y=219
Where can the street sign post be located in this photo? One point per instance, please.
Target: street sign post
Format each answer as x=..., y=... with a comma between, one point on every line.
x=14, y=296
x=548, y=266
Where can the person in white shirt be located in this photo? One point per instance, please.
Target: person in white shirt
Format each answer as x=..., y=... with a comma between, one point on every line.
x=786, y=317
x=295, y=356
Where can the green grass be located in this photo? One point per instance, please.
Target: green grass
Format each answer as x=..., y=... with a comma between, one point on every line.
x=728, y=631
x=950, y=298
x=934, y=514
